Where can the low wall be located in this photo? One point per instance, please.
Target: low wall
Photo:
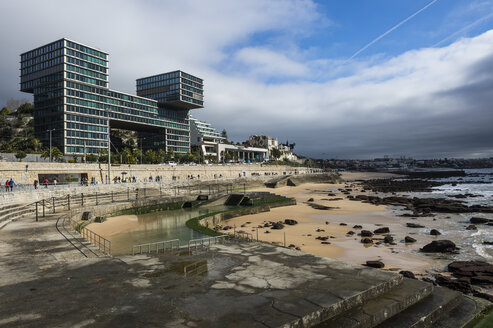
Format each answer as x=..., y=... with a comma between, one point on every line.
x=27, y=172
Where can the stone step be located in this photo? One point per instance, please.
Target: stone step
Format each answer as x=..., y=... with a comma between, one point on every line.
x=9, y=208
x=427, y=312
x=379, y=309
x=467, y=311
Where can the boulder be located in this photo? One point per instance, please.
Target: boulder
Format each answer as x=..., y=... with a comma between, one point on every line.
x=325, y=243
x=350, y=233
x=227, y=228
x=342, y=224
x=322, y=238
x=367, y=241
x=290, y=222
x=482, y=280
x=435, y=232
x=382, y=230
x=277, y=226
x=487, y=242
x=414, y=225
x=388, y=239
x=456, y=284
x=375, y=264
x=471, y=227
x=310, y=200
x=478, y=220
x=357, y=227
x=408, y=239
x=407, y=274
x=266, y=231
x=366, y=233
x=440, y=246
x=471, y=268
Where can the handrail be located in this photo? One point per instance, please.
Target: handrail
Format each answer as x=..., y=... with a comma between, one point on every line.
x=206, y=241
x=99, y=241
x=150, y=246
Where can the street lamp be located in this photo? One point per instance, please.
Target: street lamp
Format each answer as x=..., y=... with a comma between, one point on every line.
x=50, y=143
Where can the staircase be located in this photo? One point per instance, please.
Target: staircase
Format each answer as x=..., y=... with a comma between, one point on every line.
x=13, y=212
x=412, y=303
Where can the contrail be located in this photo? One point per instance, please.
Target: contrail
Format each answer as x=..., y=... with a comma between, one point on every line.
x=464, y=29
x=390, y=30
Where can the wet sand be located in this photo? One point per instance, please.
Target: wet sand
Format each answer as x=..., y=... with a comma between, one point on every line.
x=342, y=246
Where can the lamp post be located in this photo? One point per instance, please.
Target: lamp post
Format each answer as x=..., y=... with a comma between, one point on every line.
x=50, y=143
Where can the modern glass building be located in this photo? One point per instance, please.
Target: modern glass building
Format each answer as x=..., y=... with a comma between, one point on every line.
x=72, y=99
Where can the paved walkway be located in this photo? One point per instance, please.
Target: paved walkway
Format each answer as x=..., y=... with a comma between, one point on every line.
x=46, y=282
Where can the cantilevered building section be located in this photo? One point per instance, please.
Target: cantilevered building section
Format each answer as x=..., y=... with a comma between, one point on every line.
x=72, y=99
x=205, y=137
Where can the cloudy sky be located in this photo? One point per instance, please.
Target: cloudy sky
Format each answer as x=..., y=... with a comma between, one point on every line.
x=342, y=79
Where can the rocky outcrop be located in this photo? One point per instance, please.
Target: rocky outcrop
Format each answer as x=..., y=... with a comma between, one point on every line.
x=375, y=264
x=440, y=246
x=382, y=230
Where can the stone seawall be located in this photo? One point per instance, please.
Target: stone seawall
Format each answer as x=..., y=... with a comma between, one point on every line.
x=26, y=173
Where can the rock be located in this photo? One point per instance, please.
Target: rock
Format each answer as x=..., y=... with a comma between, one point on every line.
x=483, y=295
x=227, y=228
x=243, y=225
x=367, y=241
x=471, y=227
x=357, y=227
x=478, y=220
x=320, y=230
x=388, y=239
x=414, y=225
x=382, y=230
x=342, y=224
x=331, y=194
x=298, y=249
x=407, y=274
x=471, y=268
x=366, y=233
x=322, y=238
x=325, y=242
x=266, y=225
x=326, y=222
x=291, y=246
x=440, y=246
x=266, y=231
x=435, y=232
x=482, y=280
x=375, y=264
x=310, y=200
x=350, y=233
x=456, y=284
x=290, y=222
x=277, y=226
x=408, y=239
x=487, y=242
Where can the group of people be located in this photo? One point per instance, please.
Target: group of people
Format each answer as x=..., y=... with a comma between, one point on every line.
x=9, y=185
x=46, y=182
x=124, y=180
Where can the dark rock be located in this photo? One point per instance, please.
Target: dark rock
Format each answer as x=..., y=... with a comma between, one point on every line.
x=277, y=226
x=290, y=222
x=414, y=225
x=310, y=200
x=375, y=264
x=382, y=230
x=357, y=227
x=291, y=246
x=431, y=281
x=471, y=268
x=266, y=231
x=483, y=295
x=320, y=230
x=342, y=224
x=471, y=227
x=322, y=238
x=435, y=232
x=325, y=242
x=482, y=280
x=350, y=233
x=367, y=241
x=440, y=246
x=478, y=220
x=331, y=194
x=227, y=228
x=366, y=233
x=388, y=239
x=487, y=242
x=298, y=249
x=408, y=239
x=326, y=222
x=460, y=285
x=408, y=274
x=266, y=225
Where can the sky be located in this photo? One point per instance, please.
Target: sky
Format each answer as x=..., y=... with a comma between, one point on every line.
x=342, y=79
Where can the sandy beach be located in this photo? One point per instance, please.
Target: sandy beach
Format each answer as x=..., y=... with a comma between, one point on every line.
x=313, y=223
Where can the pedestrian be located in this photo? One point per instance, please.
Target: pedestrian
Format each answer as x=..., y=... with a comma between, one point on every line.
x=46, y=182
x=7, y=185
x=55, y=182
x=11, y=184
x=35, y=184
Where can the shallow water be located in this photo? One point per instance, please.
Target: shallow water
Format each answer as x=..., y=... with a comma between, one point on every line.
x=154, y=227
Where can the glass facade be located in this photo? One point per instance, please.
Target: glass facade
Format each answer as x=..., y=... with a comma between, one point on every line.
x=69, y=82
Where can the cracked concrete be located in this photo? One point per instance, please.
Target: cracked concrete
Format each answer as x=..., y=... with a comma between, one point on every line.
x=44, y=282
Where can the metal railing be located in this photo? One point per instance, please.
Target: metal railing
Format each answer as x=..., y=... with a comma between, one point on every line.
x=206, y=242
x=102, y=243
x=243, y=235
x=150, y=247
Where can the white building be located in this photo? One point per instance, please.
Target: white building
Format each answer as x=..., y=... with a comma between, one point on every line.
x=205, y=137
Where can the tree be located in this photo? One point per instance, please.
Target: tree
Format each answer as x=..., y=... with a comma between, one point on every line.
x=20, y=155
x=276, y=153
x=56, y=154
x=36, y=144
x=5, y=111
x=224, y=134
x=91, y=158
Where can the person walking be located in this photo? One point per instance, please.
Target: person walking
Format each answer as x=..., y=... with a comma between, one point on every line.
x=7, y=185
x=35, y=184
x=11, y=184
x=55, y=181
x=46, y=182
